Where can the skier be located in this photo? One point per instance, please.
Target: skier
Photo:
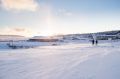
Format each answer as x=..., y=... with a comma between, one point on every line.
x=93, y=42
x=96, y=42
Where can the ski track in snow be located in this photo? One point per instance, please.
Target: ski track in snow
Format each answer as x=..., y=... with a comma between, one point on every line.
x=74, y=61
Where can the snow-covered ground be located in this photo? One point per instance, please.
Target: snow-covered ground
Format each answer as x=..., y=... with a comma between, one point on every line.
x=24, y=44
x=70, y=61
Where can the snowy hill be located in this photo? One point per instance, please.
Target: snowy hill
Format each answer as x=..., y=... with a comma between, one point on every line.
x=16, y=41
x=87, y=36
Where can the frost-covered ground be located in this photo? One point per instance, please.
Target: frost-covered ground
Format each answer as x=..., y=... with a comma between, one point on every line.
x=70, y=61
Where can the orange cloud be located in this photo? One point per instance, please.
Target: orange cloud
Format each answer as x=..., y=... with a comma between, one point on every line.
x=18, y=5
x=17, y=31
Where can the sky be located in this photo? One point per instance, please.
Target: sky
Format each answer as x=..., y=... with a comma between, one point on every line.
x=52, y=17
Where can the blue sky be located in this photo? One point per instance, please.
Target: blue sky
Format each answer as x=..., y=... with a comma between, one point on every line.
x=48, y=17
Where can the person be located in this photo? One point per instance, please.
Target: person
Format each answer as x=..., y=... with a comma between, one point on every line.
x=93, y=42
x=96, y=42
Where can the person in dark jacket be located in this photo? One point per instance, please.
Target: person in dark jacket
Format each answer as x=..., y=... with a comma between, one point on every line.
x=93, y=42
x=96, y=42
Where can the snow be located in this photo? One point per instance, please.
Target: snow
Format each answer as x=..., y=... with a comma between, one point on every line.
x=67, y=61
x=25, y=44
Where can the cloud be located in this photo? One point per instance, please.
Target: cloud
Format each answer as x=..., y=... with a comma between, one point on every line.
x=65, y=12
x=19, y=29
x=19, y=5
x=16, y=31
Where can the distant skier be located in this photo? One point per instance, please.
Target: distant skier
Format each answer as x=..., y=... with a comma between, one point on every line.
x=96, y=42
x=93, y=42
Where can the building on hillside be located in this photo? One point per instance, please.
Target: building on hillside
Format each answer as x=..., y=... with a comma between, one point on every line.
x=107, y=37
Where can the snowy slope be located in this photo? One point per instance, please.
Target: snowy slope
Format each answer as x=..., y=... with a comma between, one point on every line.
x=73, y=61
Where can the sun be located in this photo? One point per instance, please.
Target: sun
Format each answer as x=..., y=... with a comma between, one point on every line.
x=47, y=33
